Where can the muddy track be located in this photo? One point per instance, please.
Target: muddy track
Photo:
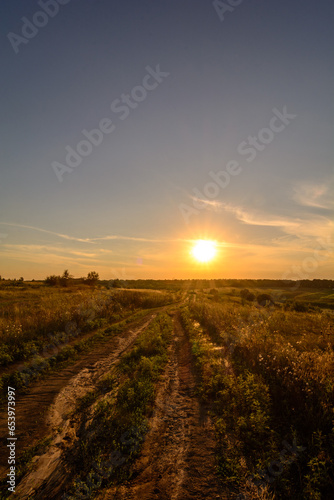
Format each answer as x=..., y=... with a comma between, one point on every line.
x=47, y=403
x=177, y=461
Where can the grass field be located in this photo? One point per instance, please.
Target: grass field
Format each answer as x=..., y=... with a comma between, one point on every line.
x=263, y=373
x=269, y=377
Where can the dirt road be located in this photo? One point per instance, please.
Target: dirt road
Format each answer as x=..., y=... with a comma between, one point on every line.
x=177, y=460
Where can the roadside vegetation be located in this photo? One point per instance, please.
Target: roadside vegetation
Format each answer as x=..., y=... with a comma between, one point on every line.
x=268, y=376
x=42, y=328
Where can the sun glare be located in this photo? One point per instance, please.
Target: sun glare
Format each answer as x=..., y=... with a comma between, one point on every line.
x=204, y=250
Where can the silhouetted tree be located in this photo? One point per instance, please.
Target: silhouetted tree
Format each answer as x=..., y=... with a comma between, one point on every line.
x=65, y=279
x=92, y=278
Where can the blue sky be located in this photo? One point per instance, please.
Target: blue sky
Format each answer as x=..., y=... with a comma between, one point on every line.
x=137, y=201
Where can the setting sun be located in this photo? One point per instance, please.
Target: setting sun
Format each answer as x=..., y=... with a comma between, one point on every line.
x=204, y=250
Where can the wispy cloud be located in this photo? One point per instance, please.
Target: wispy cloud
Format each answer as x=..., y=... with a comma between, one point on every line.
x=42, y=258
x=213, y=204
x=314, y=195
x=47, y=250
x=258, y=218
x=128, y=238
x=247, y=216
x=299, y=225
x=59, y=235
x=111, y=237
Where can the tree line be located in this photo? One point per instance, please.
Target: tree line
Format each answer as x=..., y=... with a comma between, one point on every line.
x=66, y=278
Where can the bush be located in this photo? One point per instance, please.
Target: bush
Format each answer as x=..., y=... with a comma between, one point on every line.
x=264, y=299
x=52, y=280
x=247, y=295
x=299, y=306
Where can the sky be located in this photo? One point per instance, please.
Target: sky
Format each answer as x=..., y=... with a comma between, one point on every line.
x=132, y=129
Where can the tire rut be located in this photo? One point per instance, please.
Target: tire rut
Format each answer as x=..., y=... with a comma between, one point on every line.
x=177, y=461
x=45, y=408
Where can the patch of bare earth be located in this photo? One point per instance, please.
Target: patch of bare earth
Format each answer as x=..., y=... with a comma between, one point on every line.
x=45, y=410
x=177, y=461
